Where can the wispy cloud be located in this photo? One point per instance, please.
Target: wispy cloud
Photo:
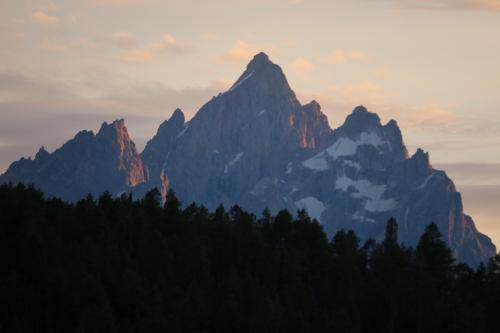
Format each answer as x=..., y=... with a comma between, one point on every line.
x=486, y=5
x=337, y=100
x=43, y=18
x=240, y=52
x=117, y=2
x=347, y=96
x=27, y=101
x=434, y=116
x=123, y=40
x=340, y=57
x=209, y=35
x=61, y=46
x=168, y=43
x=138, y=56
x=473, y=173
x=300, y=65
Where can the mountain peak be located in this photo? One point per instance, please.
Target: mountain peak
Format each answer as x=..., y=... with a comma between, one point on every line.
x=84, y=135
x=41, y=154
x=263, y=80
x=361, y=119
x=259, y=60
x=177, y=115
x=422, y=158
x=360, y=109
x=313, y=105
x=117, y=126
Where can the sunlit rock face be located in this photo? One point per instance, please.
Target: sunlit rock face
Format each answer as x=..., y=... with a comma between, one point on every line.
x=257, y=146
x=366, y=176
x=115, y=140
x=86, y=164
x=238, y=138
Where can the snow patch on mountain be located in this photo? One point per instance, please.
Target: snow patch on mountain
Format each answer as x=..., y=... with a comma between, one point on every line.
x=317, y=162
x=186, y=126
x=313, y=206
x=239, y=82
x=233, y=161
x=352, y=164
x=367, y=190
x=360, y=217
x=425, y=182
x=342, y=147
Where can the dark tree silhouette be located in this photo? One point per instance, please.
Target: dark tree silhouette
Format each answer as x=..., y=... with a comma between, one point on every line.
x=117, y=265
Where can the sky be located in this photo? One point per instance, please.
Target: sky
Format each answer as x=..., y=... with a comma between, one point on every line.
x=431, y=65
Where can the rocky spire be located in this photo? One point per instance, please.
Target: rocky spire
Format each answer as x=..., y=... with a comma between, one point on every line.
x=263, y=79
x=42, y=154
x=158, y=148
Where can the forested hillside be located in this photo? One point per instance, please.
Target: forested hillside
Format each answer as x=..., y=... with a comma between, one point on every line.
x=118, y=265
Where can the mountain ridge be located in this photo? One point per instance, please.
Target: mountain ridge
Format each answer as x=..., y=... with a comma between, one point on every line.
x=257, y=146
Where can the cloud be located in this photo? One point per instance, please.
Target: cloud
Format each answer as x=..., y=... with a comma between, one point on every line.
x=300, y=65
x=339, y=100
x=486, y=5
x=340, y=57
x=13, y=29
x=240, y=52
x=52, y=5
x=168, y=44
x=61, y=46
x=71, y=19
x=433, y=116
x=26, y=102
x=43, y=18
x=472, y=174
x=481, y=202
x=138, y=56
x=349, y=95
x=209, y=36
x=116, y=3
x=123, y=40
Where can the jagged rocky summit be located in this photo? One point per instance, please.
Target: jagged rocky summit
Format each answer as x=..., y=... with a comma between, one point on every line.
x=88, y=163
x=255, y=145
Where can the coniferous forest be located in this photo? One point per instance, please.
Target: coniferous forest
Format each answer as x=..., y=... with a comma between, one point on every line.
x=122, y=265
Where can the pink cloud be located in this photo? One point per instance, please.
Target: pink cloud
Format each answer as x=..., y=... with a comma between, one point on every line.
x=117, y=2
x=487, y=5
x=168, y=43
x=300, y=65
x=239, y=52
x=341, y=56
x=43, y=18
x=138, y=56
x=123, y=39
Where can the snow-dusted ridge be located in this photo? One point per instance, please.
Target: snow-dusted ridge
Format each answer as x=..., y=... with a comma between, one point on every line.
x=342, y=147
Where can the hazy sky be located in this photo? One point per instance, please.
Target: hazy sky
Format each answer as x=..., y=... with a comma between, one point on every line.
x=434, y=66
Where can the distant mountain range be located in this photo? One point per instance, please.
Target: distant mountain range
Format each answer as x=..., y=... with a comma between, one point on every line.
x=255, y=145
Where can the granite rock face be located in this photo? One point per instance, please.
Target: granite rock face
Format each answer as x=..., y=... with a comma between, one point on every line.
x=88, y=163
x=366, y=176
x=255, y=145
x=238, y=138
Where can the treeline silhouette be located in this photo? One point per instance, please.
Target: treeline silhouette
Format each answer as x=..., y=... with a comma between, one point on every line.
x=119, y=265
